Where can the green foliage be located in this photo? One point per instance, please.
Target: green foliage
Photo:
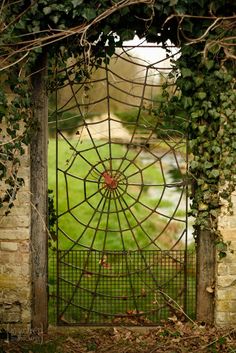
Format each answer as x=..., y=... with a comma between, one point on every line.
x=15, y=118
x=208, y=100
x=205, y=86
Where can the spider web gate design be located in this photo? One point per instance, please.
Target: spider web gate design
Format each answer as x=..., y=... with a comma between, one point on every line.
x=121, y=196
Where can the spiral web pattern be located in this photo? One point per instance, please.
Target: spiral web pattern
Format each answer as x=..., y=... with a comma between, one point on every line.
x=121, y=216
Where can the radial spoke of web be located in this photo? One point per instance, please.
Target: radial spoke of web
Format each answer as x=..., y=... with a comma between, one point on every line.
x=76, y=242
x=137, y=221
x=93, y=181
x=86, y=81
x=126, y=259
x=151, y=240
x=86, y=125
x=157, y=159
x=108, y=113
x=67, y=192
x=86, y=263
x=139, y=249
x=82, y=202
x=102, y=254
x=137, y=119
x=139, y=152
x=154, y=210
x=170, y=218
x=138, y=171
x=76, y=152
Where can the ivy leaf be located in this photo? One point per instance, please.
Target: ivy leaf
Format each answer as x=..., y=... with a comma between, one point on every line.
x=209, y=64
x=222, y=249
x=173, y=2
x=194, y=164
x=214, y=49
x=214, y=173
x=214, y=213
x=47, y=10
x=207, y=165
x=202, y=206
x=187, y=102
x=198, y=81
x=202, y=129
x=201, y=95
x=89, y=13
x=55, y=19
x=186, y=72
x=76, y=3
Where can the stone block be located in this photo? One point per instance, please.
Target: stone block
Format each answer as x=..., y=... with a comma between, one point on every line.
x=20, y=210
x=222, y=306
x=4, y=257
x=226, y=282
x=11, y=282
x=26, y=315
x=222, y=318
x=222, y=269
x=12, y=221
x=232, y=269
x=15, y=234
x=229, y=233
x=24, y=247
x=9, y=246
x=232, y=318
x=220, y=294
x=232, y=306
x=22, y=271
x=232, y=222
x=10, y=312
x=232, y=245
x=23, y=197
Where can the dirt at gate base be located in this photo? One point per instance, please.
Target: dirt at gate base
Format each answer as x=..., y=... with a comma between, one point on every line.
x=172, y=337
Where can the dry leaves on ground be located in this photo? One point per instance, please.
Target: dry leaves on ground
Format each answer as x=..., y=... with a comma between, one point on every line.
x=171, y=337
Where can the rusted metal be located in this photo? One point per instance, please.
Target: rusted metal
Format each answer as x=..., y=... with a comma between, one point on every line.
x=123, y=259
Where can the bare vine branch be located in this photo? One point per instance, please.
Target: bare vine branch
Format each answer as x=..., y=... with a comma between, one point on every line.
x=52, y=36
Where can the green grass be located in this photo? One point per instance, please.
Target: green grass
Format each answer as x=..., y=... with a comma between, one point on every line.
x=100, y=294
x=95, y=218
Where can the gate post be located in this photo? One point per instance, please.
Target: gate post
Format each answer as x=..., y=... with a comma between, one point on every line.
x=206, y=264
x=39, y=192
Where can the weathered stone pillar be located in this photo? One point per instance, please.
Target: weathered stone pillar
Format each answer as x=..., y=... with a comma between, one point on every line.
x=225, y=288
x=15, y=266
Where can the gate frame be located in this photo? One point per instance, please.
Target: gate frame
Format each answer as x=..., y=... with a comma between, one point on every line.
x=205, y=250
x=39, y=196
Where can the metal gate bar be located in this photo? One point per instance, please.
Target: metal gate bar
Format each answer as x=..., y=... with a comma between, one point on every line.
x=101, y=294
x=121, y=232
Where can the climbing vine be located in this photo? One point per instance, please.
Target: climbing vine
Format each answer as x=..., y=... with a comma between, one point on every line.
x=206, y=94
x=208, y=97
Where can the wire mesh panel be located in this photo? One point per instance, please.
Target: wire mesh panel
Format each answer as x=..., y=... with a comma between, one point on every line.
x=128, y=288
x=121, y=194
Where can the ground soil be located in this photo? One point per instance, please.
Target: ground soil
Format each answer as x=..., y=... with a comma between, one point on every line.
x=172, y=337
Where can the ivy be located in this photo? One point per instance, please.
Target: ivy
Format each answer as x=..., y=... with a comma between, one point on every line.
x=209, y=104
x=206, y=98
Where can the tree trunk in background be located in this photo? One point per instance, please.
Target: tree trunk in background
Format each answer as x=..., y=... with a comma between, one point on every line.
x=205, y=276
x=39, y=195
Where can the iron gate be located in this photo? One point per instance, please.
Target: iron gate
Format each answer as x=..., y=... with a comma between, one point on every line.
x=121, y=190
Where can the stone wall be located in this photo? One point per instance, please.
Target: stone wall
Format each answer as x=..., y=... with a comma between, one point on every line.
x=225, y=288
x=15, y=258
x=15, y=264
